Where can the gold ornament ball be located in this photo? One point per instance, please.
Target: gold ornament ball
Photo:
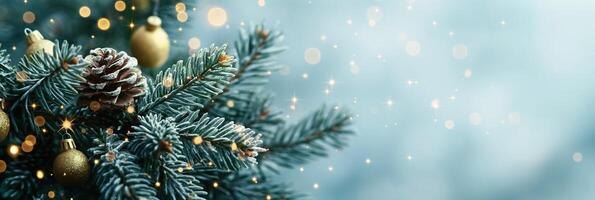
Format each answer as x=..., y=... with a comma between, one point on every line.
x=150, y=44
x=4, y=125
x=70, y=166
x=36, y=43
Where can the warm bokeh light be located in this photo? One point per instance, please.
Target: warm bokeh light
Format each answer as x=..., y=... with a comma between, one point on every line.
x=194, y=43
x=120, y=5
x=312, y=56
x=460, y=51
x=85, y=11
x=261, y=3
x=29, y=17
x=39, y=174
x=413, y=48
x=217, y=16
x=182, y=17
x=103, y=24
x=180, y=7
x=13, y=150
x=197, y=140
x=2, y=166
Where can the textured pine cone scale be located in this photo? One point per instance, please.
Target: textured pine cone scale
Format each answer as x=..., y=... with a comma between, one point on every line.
x=112, y=79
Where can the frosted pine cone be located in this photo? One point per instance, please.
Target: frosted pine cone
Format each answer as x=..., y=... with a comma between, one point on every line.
x=112, y=79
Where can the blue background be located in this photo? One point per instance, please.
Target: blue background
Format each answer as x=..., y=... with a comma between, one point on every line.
x=532, y=85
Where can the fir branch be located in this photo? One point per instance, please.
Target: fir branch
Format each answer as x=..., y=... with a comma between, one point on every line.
x=188, y=86
x=177, y=183
x=154, y=140
x=214, y=143
x=118, y=176
x=17, y=184
x=311, y=137
x=47, y=80
x=248, y=185
x=256, y=51
x=7, y=81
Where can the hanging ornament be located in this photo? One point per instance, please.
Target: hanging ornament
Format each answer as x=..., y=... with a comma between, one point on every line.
x=4, y=122
x=36, y=43
x=70, y=166
x=150, y=43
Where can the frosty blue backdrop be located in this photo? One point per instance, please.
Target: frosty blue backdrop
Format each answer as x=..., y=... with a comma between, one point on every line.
x=454, y=99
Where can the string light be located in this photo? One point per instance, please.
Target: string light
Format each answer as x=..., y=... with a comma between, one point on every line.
x=51, y=194
x=215, y=185
x=234, y=146
x=254, y=180
x=22, y=76
x=230, y=103
x=85, y=11
x=315, y=186
x=27, y=146
x=157, y=184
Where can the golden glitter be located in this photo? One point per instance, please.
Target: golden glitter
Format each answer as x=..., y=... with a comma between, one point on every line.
x=85, y=11
x=13, y=150
x=254, y=180
x=120, y=5
x=28, y=17
x=103, y=24
x=180, y=169
x=39, y=174
x=94, y=106
x=2, y=166
x=39, y=121
x=22, y=76
x=109, y=131
x=197, y=140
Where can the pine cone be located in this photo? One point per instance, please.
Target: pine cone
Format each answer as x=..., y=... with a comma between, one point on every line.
x=112, y=79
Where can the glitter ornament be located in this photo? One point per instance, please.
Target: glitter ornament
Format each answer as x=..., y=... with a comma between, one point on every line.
x=36, y=43
x=4, y=125
x=70, y=166
x=150, y=44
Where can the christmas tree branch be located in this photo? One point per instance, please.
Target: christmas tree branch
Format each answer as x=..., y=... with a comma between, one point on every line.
x=214, y=143
x=188, y=86
x=47, y=80
x=117, y=174
x=309, y=138
x=256, y=51
x=7, y=72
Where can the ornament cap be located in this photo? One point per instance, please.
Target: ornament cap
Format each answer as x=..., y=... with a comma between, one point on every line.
x=153, y=22
x=33, y=36
x=67, y=144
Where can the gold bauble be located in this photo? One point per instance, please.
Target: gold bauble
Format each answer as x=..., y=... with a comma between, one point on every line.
x=70, y=166
x=150, y=44
x=36, y=43
x=4, y=125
